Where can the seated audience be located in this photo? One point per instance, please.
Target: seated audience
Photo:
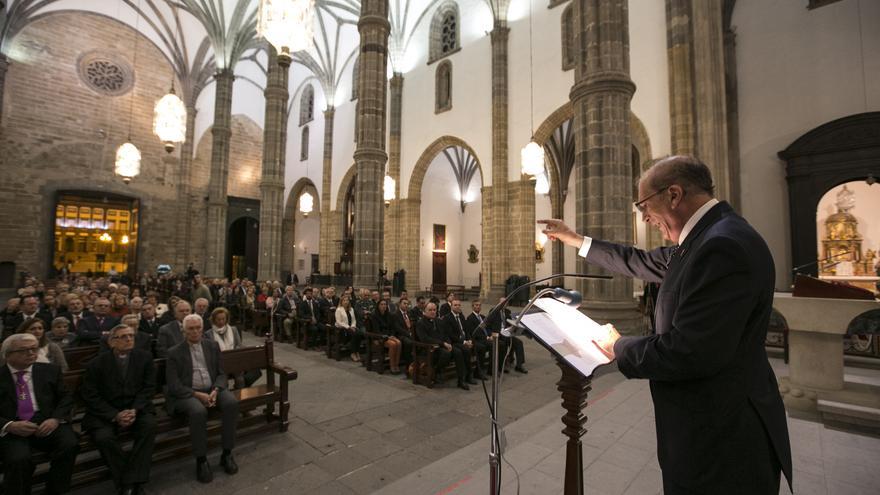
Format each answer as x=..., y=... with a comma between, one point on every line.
x=429, y=332
x=48, y=352
x=495, y=324
x=482, y=338
x=347, y=321
x=228, y=337
x=171, y=333
x=118, y=306
x=402, y=328
x=96, y=325
x=308, y=314
x=383, y=325
x=149, y=323
x=34, y=410
x=118, y=391
x=453, y=326
x=75, y=311
x=196, y=383
x=61, y=334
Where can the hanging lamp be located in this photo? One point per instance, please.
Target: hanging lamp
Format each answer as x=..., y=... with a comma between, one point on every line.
x=169, y=119
x=287, y=24
x=128, y=157
x=388, y=189
x=532, y=154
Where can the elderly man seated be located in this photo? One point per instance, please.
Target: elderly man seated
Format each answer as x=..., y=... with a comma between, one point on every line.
x=118, y=392
x=196, y=384
x=34, y=410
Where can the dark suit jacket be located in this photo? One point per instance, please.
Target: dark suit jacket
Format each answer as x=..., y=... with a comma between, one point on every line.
x=286, y=306
x=706, y=364
x=429, y=332
x=17, y=319
x=398, y=326
x=471, y=324
x=149, y=328
x=451, y=328
x=106, y=392
x=179, y=371
x=415, y=314
x=381, y=323
x=169, y=336
x=69, y=316
x=90, y=329
x=53, y=398
x=307, y=312
x=142, y=341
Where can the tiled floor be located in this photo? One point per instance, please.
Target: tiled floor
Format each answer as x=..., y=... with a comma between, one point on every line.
x=358, y=432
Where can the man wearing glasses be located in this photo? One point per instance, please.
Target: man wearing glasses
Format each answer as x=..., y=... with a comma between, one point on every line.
x=34, y=410
x=721, y=425
x=118, y=391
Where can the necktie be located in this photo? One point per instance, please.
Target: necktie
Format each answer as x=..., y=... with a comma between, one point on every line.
x=25, y=405
x=460, y=327
x=406, y=318
x=100, y=322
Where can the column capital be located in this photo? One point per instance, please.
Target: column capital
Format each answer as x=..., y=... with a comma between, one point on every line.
x=377, y=20
x=602, y=82
x=370, y=154
x=329, y=112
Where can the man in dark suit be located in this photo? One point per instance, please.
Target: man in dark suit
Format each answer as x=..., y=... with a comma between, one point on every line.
x=286, y=312
x=309, y=313
x=196, y=383
x=97, y=325
x=495, y=324
x=721, y=425
x=402, y=327
x=75, y=312
x=453, y=327
x=416, y=312
x=34, y=410
x=429, y=331
x=29, y=308
x=118, y=391
x=149, y=324
x=482, y=338
x=171, y=334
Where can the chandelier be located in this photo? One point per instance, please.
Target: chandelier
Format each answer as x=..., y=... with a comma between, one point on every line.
x=105, y=237
x=532, y=154
x=388, y=190
x=128, y=162
x=169, y=120
x=306, y=204
x=287, y=24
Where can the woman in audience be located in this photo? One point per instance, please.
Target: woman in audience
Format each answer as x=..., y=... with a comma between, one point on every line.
x=118, y=306
x=61, y=334
x=49, y=352
x=382, y=324
x=228, y=338
x=346, y=320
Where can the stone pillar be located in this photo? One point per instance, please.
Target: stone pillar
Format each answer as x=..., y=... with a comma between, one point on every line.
x=732, y=102
x=499, y=268
x=697, y=94
x=369, y=155
x=272, y=182
x=4, y=67
x=393, y=239
x=326, y=237
x=184, y=187
x=600, y=99
x=711, y=97
x=410, y=245
x=215, y=229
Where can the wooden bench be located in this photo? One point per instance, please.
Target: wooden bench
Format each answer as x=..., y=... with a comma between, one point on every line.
x=78, y=357
x=172, y=432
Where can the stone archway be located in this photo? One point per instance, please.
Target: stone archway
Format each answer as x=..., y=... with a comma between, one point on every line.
x=411, y=211
x=331, y=250
x=288, y=225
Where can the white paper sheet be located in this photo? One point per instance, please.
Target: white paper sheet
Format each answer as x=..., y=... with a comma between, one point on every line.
x=569, y=332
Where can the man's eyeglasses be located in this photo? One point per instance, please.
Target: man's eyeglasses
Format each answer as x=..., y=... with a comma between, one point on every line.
x=640, y=204
x=27, y=350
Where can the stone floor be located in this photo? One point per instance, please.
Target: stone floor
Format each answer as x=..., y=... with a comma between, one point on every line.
x=358, y=432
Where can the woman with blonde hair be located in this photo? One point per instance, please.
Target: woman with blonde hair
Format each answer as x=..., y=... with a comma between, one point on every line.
x=228, y=338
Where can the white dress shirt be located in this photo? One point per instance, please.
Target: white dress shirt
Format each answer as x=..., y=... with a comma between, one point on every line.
x=688, y=227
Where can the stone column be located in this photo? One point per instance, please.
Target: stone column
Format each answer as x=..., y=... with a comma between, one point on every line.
x=732, y=102
x=499, y=268
x=272, y=182
x=369, y=155
x=4, y=67
x=393, y=241
x=600, y=99
x=215, y=229
x=326, y=238
x=184, y=187
x=697, y=94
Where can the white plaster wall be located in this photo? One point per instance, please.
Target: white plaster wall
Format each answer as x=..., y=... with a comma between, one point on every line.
x=440, y=205
x=343, y=146
x=796, y=69
x=295, y=169
x=867, y=199
x=306, y=240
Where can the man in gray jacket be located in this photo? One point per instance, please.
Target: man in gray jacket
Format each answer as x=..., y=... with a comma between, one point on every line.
x=196, y=384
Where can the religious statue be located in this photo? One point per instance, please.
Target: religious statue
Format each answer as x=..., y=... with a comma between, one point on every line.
x=539, y=252
x=842, y=244
x=473, y=254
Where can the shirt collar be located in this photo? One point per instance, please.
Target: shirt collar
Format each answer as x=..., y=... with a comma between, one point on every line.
x=27, y=370
x=692, y=222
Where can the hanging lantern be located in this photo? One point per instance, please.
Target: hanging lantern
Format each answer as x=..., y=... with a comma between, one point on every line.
x=542, y=239
x=169, y=120
x=532, y=158
x=124, y=239
x=542, y=185
x=306, y=203
x=105, y=237
x=388, y=190
x=287, y=24
x=128, y=162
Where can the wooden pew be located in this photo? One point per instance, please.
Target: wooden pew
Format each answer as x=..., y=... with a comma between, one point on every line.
x=172, y=434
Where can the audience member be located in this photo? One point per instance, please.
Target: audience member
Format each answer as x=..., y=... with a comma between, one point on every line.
x=171, y=334
x=429, y=332
x=48, y=352
x=482, y=338
x=383, y=325
x=61, y=334
x=308, y=315
x=118, y=391
x=228, y=337
x=347, y=321
x=96, y=325
x=453, y=327
x=402, y=328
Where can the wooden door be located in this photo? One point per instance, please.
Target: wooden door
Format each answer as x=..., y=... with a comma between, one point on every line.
x=438, y=281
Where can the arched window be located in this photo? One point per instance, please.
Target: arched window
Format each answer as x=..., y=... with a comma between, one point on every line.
x=304, y=144
x=568, y=48
x=307, y=105
x=444, y=35
x=354, y=78
x=443, y=87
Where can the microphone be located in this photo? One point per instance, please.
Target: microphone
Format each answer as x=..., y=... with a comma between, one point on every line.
x=571, y=298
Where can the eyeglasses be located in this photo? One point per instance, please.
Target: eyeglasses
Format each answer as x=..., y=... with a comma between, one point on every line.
x=127, y=336
x=640, y=204
x=28, y=350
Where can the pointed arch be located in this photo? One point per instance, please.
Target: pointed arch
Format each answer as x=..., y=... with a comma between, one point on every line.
x=288, y=222
x=427, y=156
